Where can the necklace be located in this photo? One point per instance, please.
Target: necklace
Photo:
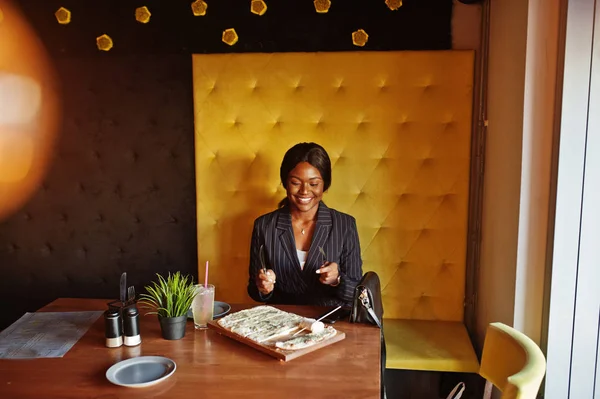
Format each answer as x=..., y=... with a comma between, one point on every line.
x=303, y=229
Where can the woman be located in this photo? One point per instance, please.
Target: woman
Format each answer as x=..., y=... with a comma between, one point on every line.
x=311, y=252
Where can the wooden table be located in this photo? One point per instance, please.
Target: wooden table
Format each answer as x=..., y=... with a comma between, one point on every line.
x=209, y=365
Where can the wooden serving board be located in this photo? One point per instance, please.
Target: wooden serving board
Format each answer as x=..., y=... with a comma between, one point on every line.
x=277, y=353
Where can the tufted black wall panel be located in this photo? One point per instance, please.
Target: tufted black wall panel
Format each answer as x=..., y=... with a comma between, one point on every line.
x=120, y=195
x=288, y=25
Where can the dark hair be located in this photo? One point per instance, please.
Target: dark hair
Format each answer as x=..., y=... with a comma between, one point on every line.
x=312, y=153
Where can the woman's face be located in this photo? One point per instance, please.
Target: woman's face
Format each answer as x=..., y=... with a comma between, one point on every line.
x=304, y=187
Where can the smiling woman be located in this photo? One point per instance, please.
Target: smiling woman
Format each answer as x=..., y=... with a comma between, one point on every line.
x=311, y=253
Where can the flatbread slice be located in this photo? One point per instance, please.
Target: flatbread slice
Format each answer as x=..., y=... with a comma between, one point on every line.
x=305, y=341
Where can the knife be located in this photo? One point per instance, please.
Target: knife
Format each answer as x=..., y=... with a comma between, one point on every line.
x=319, y=319
x=123, y=287
x=261, y=255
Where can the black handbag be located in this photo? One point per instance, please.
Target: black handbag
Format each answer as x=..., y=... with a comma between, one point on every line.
x=367, y=307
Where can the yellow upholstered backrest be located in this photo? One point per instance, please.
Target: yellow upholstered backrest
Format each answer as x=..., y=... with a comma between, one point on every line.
x=397, y=126
x=512, y=362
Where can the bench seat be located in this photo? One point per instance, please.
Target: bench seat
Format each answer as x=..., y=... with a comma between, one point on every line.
x=429, y=345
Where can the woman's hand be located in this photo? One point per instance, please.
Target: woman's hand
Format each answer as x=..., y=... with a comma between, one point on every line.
x=329, y=272
x=265, y=282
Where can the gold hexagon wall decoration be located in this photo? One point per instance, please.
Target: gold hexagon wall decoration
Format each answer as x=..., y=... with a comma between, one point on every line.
x=63, y=16
x=104, y=42
x=258, y=7
x=142, y=14
x=199, y=8
x=322, y=6
x=360, y=38
x=230, y=36
x=393, y=4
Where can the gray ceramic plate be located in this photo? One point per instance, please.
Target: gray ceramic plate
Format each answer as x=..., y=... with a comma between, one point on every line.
x=142, y=371
x=220, y=309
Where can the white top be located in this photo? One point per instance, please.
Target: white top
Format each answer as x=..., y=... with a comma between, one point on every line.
x=302, y=255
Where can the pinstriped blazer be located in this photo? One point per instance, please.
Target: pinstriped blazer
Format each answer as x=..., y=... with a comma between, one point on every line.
x=335, y=232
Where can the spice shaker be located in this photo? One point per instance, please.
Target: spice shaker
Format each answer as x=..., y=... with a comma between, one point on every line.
x=113, y=328
x=131, y=326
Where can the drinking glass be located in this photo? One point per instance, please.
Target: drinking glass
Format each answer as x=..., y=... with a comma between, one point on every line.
x=202, y=306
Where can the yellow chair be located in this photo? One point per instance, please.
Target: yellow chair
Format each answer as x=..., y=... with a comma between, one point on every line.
x=512, y=362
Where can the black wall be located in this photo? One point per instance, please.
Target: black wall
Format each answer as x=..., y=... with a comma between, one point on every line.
x=288, y=25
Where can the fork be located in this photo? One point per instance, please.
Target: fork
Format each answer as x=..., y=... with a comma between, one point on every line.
x=323, y=253
x=131, y=294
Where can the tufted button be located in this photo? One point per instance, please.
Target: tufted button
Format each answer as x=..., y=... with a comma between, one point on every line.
x=27, y=216
x=173, y=219
x=136, y=220
x=383, y=160
x=47, y=250
x=153, y=122
x=100, y=217
x=427, y=161
x=45, y=187
x=404, y=125
x=236, y=123
x=81, y=188
x=427, y=84
x=133, y=156
x=449, y=125
x=153, y=188
x=63, y=217
x=82, y=252
x=297, y=86
x=383, y=86
x=12, y=248
x=96, y=155
x=173, y=154
x=362, y=125
x=117, y=191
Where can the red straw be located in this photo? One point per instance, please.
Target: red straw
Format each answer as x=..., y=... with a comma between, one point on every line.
x=206, y=276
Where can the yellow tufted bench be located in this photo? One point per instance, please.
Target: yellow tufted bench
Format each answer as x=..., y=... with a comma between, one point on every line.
x=397, y=126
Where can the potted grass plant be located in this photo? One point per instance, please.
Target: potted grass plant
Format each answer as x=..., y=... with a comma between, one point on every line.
x=170, y=299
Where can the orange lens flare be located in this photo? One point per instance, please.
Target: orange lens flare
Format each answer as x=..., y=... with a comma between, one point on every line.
x=29, y=111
